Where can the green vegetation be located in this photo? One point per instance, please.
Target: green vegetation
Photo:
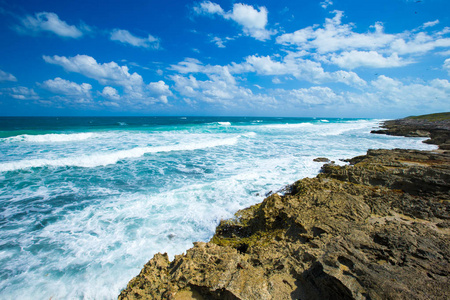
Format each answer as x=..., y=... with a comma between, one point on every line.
x=432, y=117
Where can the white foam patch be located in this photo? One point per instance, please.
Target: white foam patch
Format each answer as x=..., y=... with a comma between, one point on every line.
x=102, y=159
x=50, y=138
x=250, y=134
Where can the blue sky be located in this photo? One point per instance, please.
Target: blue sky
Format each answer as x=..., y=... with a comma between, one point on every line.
x=330, y=58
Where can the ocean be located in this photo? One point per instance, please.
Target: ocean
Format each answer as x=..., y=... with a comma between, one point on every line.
x=85, y=202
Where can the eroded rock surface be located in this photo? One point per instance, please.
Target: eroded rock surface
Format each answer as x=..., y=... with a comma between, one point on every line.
x=378, y=228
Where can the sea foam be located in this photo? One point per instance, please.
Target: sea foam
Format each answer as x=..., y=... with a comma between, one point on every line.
x=103, y=159
x=50, y=138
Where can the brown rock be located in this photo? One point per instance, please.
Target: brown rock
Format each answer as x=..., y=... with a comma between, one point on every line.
x=321, y=159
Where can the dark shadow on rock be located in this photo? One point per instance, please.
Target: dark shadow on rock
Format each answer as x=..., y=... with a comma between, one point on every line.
x=315, y=284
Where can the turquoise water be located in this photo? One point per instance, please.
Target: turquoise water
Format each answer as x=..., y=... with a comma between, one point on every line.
x=85, y=202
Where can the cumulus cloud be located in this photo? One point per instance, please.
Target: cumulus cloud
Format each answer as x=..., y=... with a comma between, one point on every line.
x=326, y=3
x=124, y=36
x=253, y=21
x=50, y=22
x=110, y=93
x=189, y=65
x=112, y=74
x=302, y=69
x=21, y=93
x=221, y=88
x=67, y=88
x=354, y=59
x=392, y=92
x=160, y=90
x=214, y=90
x=338, y=43
x=315, y=95
x=218, y=41
x=209, y=8
x=383, y=93
x=6, y=76
x=192, y=65
x=335, y=36
x=419, y=43
x=430, y=24
x=107, y=73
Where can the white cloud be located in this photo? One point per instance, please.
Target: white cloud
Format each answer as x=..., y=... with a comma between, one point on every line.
x=192, y=65
x=22, y=93
x=112, y=74
x=415, y=95
x=334, y=36
x=302, y=69
x=215, y=90
x=6, y=76
x=430, y=24
x=326, y=3
x=419, y=43
x=160, y=90
x=444, y=53
x=383, y=94
x=47, y=21
x=67, y=88
x=209, y=8
x=253, y=21
x=218, y=41
x=188, y=65
x=221, y=88
x=124, y=36
x=110, y=93
x=107, y=73
x=447, y=65
x=276, y=80
x=371, y=59
x=315, y=95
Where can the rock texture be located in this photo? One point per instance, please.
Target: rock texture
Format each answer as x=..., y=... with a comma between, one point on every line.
x=378, y=228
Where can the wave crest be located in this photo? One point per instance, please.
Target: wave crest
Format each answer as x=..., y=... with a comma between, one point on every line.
x=103, y=159
x=49, y=138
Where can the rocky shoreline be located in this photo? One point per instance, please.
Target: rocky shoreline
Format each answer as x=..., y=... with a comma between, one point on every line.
x=378, y=228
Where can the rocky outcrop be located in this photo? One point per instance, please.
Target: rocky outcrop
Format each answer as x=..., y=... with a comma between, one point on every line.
x=375, y=229
x=436, y=127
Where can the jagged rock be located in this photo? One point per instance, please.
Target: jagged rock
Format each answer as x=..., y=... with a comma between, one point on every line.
x=375, y=229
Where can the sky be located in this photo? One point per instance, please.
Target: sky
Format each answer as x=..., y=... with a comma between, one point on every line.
x=292, y=58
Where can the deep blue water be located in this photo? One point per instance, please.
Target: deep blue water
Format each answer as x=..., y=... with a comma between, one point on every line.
x=86, y=201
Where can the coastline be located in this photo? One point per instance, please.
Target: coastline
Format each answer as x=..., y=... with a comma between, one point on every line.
x=377, y=228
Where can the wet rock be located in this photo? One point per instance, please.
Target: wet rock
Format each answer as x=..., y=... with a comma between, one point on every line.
x=321, y=159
